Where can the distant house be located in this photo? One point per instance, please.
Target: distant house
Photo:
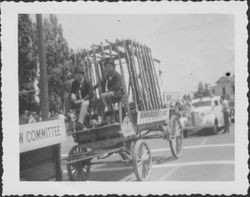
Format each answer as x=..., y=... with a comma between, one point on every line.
x=224, y=86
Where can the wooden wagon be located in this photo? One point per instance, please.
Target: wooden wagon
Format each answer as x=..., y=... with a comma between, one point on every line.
x=139, y=112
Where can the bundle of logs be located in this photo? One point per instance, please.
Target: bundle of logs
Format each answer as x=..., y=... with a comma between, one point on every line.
x=136, y=65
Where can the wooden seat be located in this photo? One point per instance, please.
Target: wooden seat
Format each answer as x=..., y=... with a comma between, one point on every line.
x=124, y=103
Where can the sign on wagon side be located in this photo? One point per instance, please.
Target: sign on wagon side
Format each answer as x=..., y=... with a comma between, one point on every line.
x=151, y=116
x=41, y=134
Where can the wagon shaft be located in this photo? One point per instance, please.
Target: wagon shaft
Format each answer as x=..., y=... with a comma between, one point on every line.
x=70, y=159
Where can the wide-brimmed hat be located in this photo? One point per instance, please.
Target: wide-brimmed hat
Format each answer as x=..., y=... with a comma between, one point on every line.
x=109, y=60
x=79, y=70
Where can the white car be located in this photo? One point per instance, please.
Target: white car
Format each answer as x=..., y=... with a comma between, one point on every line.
x=205, y=113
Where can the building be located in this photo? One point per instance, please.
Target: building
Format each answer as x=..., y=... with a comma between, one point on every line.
x=224, y=86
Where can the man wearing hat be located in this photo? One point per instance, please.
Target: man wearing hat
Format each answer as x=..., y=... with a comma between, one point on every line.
x=225, y=110
x=112, y=88
x=80, y=95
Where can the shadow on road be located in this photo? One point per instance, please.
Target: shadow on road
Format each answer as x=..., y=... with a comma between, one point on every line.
x=162, y=159
x=202, y=132
x=110, y=175
x=120, y=170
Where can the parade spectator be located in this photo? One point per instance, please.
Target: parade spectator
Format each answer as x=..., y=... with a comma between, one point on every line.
x=68, y=83
x=24, y=118
x=61, y=115
x=32, y=118
x=225, y=110
x=39, y=118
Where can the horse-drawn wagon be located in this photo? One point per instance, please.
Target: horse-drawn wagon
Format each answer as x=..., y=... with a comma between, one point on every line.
x=138, y=113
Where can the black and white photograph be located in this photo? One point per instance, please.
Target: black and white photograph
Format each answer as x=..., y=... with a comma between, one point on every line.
x=125, y=96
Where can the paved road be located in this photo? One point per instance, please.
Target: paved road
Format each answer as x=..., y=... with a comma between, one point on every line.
x=205, y=157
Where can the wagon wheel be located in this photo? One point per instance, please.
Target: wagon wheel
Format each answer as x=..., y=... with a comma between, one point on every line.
x=176, y=137
x=78, y=171
x=142, y=160
x=128, y=150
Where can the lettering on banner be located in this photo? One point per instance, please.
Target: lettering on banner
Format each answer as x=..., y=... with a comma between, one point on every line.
x=152, y=116
x=41, y=134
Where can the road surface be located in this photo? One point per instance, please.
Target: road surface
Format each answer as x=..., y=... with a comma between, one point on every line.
x=205, y=157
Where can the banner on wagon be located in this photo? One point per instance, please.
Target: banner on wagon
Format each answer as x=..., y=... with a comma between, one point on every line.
x=37, y=135
x=145, y=117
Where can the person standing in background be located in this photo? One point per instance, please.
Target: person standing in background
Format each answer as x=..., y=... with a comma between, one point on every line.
x=24, y=118
x=32, y=118
x=225, y=110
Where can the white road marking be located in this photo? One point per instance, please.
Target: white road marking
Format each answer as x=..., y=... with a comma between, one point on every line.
x=173, y=170
x=179, y=164
x=168, y=174
x=129, y=177
x=195, y=147
x=209, y=146
x=196, y=163
x=64, y=155
x=159, y=150
x=185, y=147
x=203, y=142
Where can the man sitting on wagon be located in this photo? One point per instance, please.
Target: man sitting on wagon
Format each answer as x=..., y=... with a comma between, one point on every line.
x=80, y=95
x=112, y=89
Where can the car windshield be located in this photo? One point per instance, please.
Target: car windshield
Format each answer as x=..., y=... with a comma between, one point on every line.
x=202, y=103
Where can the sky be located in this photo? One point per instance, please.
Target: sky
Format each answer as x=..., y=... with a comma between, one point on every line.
x=191, y=47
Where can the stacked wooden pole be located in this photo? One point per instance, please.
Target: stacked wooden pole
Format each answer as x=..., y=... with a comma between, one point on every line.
x=152, y=78
x=140, y=99
x=90, y=69
x=143, y=81
x=145, y=92
x=131, y=76
x=156, y=79
x=149, y=79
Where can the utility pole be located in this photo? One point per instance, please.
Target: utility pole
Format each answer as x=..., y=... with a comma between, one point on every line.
x=43, y=69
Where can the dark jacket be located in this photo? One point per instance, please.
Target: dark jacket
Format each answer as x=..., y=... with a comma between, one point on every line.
x=85, y=88
x=114, y=83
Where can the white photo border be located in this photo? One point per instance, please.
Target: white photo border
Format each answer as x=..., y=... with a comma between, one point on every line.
x=11, y=183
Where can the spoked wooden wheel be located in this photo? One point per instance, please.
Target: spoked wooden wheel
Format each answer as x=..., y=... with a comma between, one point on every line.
x=78, y=171
x=142, y=160
x=176, y=137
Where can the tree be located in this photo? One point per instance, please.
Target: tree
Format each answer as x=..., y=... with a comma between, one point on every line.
x=57, y=59
x=202, y=90
x=206, y=92
x=27, y=63
x=186, y=97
